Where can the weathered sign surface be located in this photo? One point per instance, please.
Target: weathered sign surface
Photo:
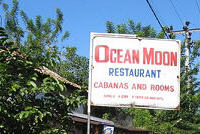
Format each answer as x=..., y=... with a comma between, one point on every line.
x=128, y=71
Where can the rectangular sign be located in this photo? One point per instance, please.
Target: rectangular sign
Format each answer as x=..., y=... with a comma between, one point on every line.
x=129, y=71
x=108, y=129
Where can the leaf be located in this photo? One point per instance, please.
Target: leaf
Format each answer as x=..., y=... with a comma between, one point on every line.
x=1, y=126
x=34, y=78
x=46, y=80
x=29, y=62
x=57, y=81
x=26, y=114
x=5, y=6
x=66, y=35
x=61, y=87
x=21, y=115
x=28, y=108
x=32, y=83
x=67, y=101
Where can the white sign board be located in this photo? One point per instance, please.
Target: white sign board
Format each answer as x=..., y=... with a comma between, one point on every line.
x=128, y=71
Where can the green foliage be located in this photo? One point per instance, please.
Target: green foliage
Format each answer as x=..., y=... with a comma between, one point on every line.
x=187, y=119
x=37, y=37
x=110, y=27
x=106, y=116
x=74, y=67
x=13, y=30
x=38, y=43
x=142, y=118
x=132, y=28
x=29, y=104
x=41, y=36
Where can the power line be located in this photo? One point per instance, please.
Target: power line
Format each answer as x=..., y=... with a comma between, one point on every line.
x=157, y=19
x=197, y=6
x=156, y=10
x=0, y=21
x=176, y=12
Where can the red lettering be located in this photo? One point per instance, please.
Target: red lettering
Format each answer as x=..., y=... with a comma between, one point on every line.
x=119, y=56
x=173, y=59
x=161, y=58
x=115, y=85
x=95, y=84
x=147, y=57
x=172, y=88
x=158, y=58
x=166, y=58
x=112, y=59
x=135, y=56
x=106, y=55
x=103, y=54
x=127, y=57
x=162, y=88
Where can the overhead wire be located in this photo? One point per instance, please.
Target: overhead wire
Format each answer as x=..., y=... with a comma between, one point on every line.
x=176, y=12
x=0, y=21
x=197, y=6
x=157, y=12
x=157, y=18
x=178, y=15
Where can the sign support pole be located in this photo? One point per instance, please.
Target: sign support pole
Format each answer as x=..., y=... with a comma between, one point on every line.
x=89, y=110
x=89, y=107
x=89, y=90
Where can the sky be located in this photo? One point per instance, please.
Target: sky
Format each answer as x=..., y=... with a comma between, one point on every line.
x=84, y=16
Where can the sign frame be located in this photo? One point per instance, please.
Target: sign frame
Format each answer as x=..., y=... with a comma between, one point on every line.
x=134, y=37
